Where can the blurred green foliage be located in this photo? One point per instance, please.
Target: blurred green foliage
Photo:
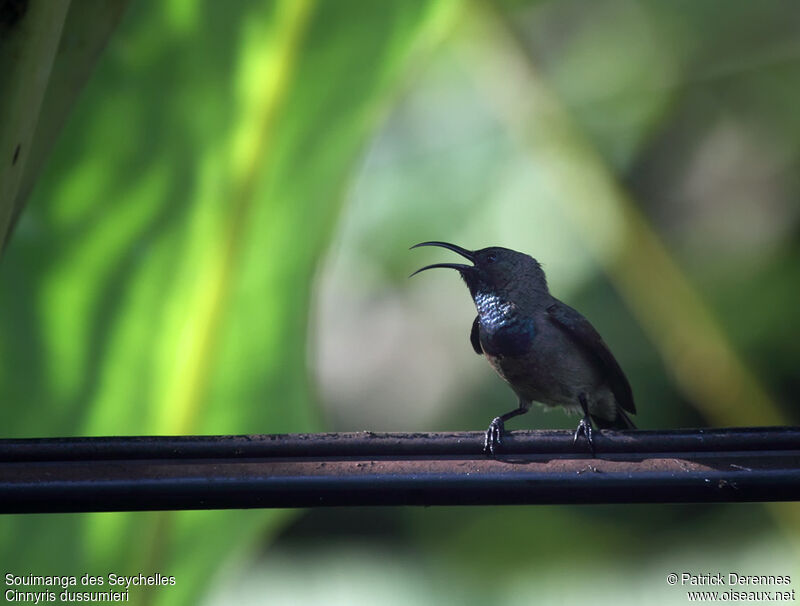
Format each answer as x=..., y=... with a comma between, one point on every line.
x=159, y=281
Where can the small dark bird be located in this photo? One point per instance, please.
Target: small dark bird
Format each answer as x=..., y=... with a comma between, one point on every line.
x=545, y=350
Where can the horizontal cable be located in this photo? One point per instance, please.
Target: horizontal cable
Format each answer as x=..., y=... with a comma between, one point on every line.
x=366, y=468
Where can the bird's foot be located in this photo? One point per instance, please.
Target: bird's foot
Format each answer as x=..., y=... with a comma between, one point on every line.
x=492, y=442
x=585, y=428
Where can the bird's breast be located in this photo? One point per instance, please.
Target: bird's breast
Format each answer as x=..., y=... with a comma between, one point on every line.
x=513, y=338
x=504, y=329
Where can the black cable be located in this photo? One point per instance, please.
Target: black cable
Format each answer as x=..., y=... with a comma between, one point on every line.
x=304, y=470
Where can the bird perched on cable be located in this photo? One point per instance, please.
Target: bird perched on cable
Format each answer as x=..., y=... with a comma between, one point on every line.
x=544, y=349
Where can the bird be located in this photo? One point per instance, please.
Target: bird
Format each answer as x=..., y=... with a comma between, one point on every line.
x=544, y=349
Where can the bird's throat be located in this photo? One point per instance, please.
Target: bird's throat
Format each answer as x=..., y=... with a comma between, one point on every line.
x=504, y=329
x=494, y=311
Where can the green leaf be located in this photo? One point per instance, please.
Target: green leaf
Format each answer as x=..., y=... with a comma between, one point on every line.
x=87, y=28
x=159, y=281
x=29, y=36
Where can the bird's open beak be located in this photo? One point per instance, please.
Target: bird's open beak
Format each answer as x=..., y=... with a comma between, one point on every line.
x=459, y=266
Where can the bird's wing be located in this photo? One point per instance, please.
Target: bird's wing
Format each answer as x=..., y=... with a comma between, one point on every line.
x=474, y=336
x=584, y=334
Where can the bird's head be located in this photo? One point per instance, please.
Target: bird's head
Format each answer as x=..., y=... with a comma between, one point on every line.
x=494, y=270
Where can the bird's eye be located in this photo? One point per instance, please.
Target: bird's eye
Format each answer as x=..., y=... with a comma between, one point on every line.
x=491, y=258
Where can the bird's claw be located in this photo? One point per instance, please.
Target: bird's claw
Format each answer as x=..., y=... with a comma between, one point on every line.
x=585, y=428
x=492, y=441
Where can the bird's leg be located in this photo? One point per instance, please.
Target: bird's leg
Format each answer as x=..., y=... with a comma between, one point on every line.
x=585, y=424
x=491, y=441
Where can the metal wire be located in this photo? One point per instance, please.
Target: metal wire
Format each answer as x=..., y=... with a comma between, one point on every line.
x=306, y=470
